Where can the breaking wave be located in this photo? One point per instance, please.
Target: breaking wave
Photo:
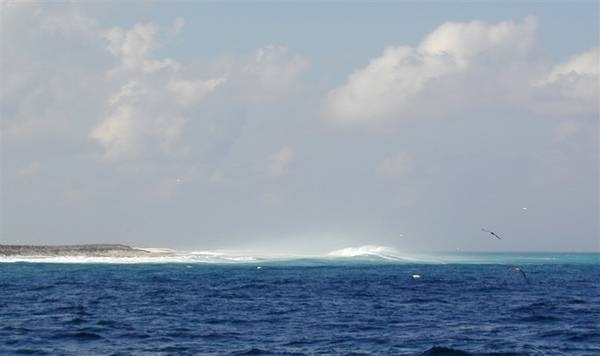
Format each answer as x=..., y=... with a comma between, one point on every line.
x=367, y=253
x=176, y=257
x=371, y=252
x=359, y=254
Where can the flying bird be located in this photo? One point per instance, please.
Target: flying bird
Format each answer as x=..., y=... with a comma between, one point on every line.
x=492, y=233
x=519, y=269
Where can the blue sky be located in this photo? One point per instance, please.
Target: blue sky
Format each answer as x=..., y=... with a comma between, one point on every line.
x=301, y=128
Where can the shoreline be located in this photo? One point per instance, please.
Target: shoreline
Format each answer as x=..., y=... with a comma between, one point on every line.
x=87, y=250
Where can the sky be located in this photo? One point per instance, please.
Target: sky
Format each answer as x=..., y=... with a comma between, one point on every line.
x=292, y=127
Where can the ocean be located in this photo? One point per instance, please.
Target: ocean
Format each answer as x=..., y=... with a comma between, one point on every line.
x=371, y=304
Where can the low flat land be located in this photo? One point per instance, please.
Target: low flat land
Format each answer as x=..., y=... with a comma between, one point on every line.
x=92, y=250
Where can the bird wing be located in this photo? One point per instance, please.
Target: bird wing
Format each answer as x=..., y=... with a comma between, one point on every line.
x=520, y=270
x=524, y=275
x=492, y=233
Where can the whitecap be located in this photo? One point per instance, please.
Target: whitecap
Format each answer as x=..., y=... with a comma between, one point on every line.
x=376, y=252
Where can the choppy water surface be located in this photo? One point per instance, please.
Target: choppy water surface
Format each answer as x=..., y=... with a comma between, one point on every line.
x=300, y=308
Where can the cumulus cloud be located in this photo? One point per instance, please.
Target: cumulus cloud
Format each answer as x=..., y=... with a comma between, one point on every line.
x=392, y=82
x=149, y=109
x=132, y=47
x=137, y=121
x=143, y=117
x=571, y=87
x=110, y=87
x=396, y=165
x=187, y=92
x=148, y=113
x=460, y=66
x=582, y=64
x=280, y=160
x=465, y=41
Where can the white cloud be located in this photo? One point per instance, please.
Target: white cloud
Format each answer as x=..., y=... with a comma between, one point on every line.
x=148, y=110
x=396, y=165
x=391, y=83
x=148, y=113
x=462, y=66
x=130, y=90
x=111, y=86
x=120, y=132
x=464, y=41
x=187, y=92
x=280, y=160
x=133, y=47
x=582, y=64
x=572, y=87
x=145, y=117
x=385, y=87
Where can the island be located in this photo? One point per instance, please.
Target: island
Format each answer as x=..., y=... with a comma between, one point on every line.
x=88, y=250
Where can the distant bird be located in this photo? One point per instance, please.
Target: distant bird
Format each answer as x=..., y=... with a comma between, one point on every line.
x=416, y=276
x=519, y=269
x=492, y=233
x=258, y=267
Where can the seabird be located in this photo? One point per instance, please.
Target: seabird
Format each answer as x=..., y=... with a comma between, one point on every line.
x=519, y=269
x=416, y=276
x=492, y=233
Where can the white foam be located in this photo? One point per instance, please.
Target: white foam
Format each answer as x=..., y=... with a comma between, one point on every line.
x=383, y=253
x=370, y=252
x=173, y=257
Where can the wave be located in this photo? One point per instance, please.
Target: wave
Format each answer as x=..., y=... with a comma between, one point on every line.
x=358, y=254
x=368, y=253
x=179, y=257
x=372, y=252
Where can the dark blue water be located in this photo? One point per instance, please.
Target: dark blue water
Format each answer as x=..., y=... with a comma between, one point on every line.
x=88, y=309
